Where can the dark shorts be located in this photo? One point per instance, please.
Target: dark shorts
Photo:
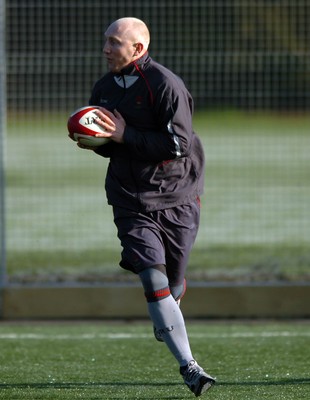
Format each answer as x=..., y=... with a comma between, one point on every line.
x=160, y=237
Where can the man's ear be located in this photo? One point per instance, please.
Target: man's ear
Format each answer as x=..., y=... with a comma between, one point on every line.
x=138, y=49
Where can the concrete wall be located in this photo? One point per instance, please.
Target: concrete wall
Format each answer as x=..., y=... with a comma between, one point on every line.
x=119, y=301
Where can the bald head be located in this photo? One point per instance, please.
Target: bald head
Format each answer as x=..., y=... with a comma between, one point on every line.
x=127, y=39
x=133, y=29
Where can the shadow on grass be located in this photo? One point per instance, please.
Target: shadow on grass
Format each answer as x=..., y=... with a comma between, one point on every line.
x=77, y=385
x=281, y=382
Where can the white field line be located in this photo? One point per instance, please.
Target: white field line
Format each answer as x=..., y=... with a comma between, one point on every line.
x=118, y=336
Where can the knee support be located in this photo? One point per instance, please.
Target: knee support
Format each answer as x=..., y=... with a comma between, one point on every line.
x=155, y=283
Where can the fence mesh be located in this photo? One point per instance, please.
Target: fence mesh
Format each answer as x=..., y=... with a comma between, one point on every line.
x=239, y=55
x=253, y=54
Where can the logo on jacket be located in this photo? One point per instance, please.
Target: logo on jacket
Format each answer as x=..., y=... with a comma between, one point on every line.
x=139, y=100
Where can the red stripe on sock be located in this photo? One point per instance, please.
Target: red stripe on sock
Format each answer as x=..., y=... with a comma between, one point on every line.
x=157, y=295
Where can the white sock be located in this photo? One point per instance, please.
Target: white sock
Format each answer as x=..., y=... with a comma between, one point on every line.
x=168, y=319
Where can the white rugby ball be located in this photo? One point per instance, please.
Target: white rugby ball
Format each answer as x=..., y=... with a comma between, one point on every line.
x=82, y=127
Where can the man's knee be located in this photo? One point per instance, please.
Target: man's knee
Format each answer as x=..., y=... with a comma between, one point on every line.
x=178, y=291
x=155, y=283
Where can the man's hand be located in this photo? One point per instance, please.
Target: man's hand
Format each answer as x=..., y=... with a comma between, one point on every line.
x=82, y=146
x=113, y=123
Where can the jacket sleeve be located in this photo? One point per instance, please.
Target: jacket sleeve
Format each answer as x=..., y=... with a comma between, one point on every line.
x=173, y=111
x=106, y=150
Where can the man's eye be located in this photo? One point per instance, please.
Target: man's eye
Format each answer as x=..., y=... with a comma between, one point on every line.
x=114, y=43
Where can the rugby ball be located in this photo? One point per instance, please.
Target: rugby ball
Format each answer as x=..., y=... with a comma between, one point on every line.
x=82, y=127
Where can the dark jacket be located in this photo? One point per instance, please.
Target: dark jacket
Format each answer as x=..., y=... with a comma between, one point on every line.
x=161, y=162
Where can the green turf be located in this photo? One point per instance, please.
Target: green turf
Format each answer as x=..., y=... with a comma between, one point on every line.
x=101, y=360
x=255, y=216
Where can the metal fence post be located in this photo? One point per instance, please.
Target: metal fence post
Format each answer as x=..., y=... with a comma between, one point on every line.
x=2, y=153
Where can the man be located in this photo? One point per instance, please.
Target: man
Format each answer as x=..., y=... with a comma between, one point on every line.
x=154, y=179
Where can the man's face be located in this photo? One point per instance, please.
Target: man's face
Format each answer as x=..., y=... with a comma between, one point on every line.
x=119, y=49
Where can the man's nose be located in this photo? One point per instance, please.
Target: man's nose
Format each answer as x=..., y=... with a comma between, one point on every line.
x=106, y=48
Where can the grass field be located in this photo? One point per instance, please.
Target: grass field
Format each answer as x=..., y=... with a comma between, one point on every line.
x=110, y=360
x=255, y=210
